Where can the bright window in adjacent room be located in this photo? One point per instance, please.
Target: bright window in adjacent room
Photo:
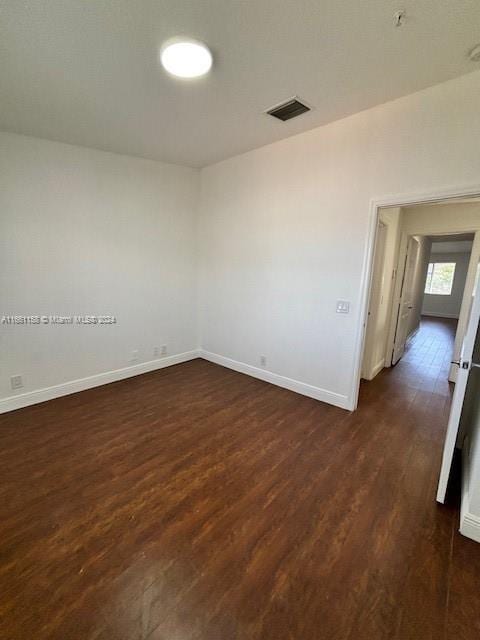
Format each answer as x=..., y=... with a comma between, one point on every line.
x=440, y=278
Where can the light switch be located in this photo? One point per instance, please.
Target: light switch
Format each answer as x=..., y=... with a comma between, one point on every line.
x=343, y=306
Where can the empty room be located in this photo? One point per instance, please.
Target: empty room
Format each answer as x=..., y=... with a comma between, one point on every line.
x=239, y=323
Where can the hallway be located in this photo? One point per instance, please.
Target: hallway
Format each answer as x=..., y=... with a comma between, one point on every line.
x=426, y=361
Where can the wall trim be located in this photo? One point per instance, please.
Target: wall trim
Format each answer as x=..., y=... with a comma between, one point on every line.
x=303, y=388
x=374, y=371
x=437, y=314
x=37, y=396
x=377, y=368
x=74, y=386
x=470, y=526
x=413, y=333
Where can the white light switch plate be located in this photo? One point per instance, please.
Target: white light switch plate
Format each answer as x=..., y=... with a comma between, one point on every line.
x=343, y=306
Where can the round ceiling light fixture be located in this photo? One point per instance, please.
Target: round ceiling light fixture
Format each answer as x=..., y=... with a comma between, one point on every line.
x=186, y=58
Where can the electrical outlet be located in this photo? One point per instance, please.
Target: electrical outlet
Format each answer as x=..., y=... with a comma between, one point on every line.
x=16, y=382
x=163, y=350
x=156, y=352
x=134, y=356
x=263, y=361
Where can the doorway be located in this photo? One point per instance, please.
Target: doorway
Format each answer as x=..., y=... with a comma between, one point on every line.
x=434, y=289
x=424, y=267
x=429, y=273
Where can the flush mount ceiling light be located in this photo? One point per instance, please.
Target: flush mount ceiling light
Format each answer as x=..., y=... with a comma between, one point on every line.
x=186, y=58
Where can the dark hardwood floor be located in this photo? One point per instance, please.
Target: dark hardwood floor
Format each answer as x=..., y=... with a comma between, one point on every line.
x=198, y=503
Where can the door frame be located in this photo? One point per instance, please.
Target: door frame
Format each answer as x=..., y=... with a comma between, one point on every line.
x=398, y=298
x=437, y=196
x=369, y=366
x=469, y=284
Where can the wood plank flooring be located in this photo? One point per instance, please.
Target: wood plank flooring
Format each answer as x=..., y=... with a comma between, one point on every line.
x=198, y=503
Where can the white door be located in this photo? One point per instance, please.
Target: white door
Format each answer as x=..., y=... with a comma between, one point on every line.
x=459, y=394
x=376, y=303
x=406, y=300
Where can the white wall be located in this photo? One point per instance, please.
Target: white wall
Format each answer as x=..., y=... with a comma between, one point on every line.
x=282, y=235
x=284, y=230
x=448, y=306
x=441, y=218
x=87, y=232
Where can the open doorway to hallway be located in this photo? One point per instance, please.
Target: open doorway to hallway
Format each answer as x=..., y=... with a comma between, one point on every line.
x=424, y=269
x=422, y=332
x=437, y=280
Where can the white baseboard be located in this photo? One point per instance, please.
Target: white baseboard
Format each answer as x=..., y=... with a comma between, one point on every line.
x=73, y=386
x=413, y=333
x=317, y=393
x=434, y=314
x=470, y=526
x=469, y=522
x=376, y=370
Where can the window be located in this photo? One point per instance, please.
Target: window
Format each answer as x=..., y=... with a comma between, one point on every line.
x=440, y=278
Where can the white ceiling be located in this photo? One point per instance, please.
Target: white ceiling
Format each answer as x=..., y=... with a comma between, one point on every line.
x=87, y=71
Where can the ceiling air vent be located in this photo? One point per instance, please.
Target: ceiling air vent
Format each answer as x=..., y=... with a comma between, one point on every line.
x=289, y=109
